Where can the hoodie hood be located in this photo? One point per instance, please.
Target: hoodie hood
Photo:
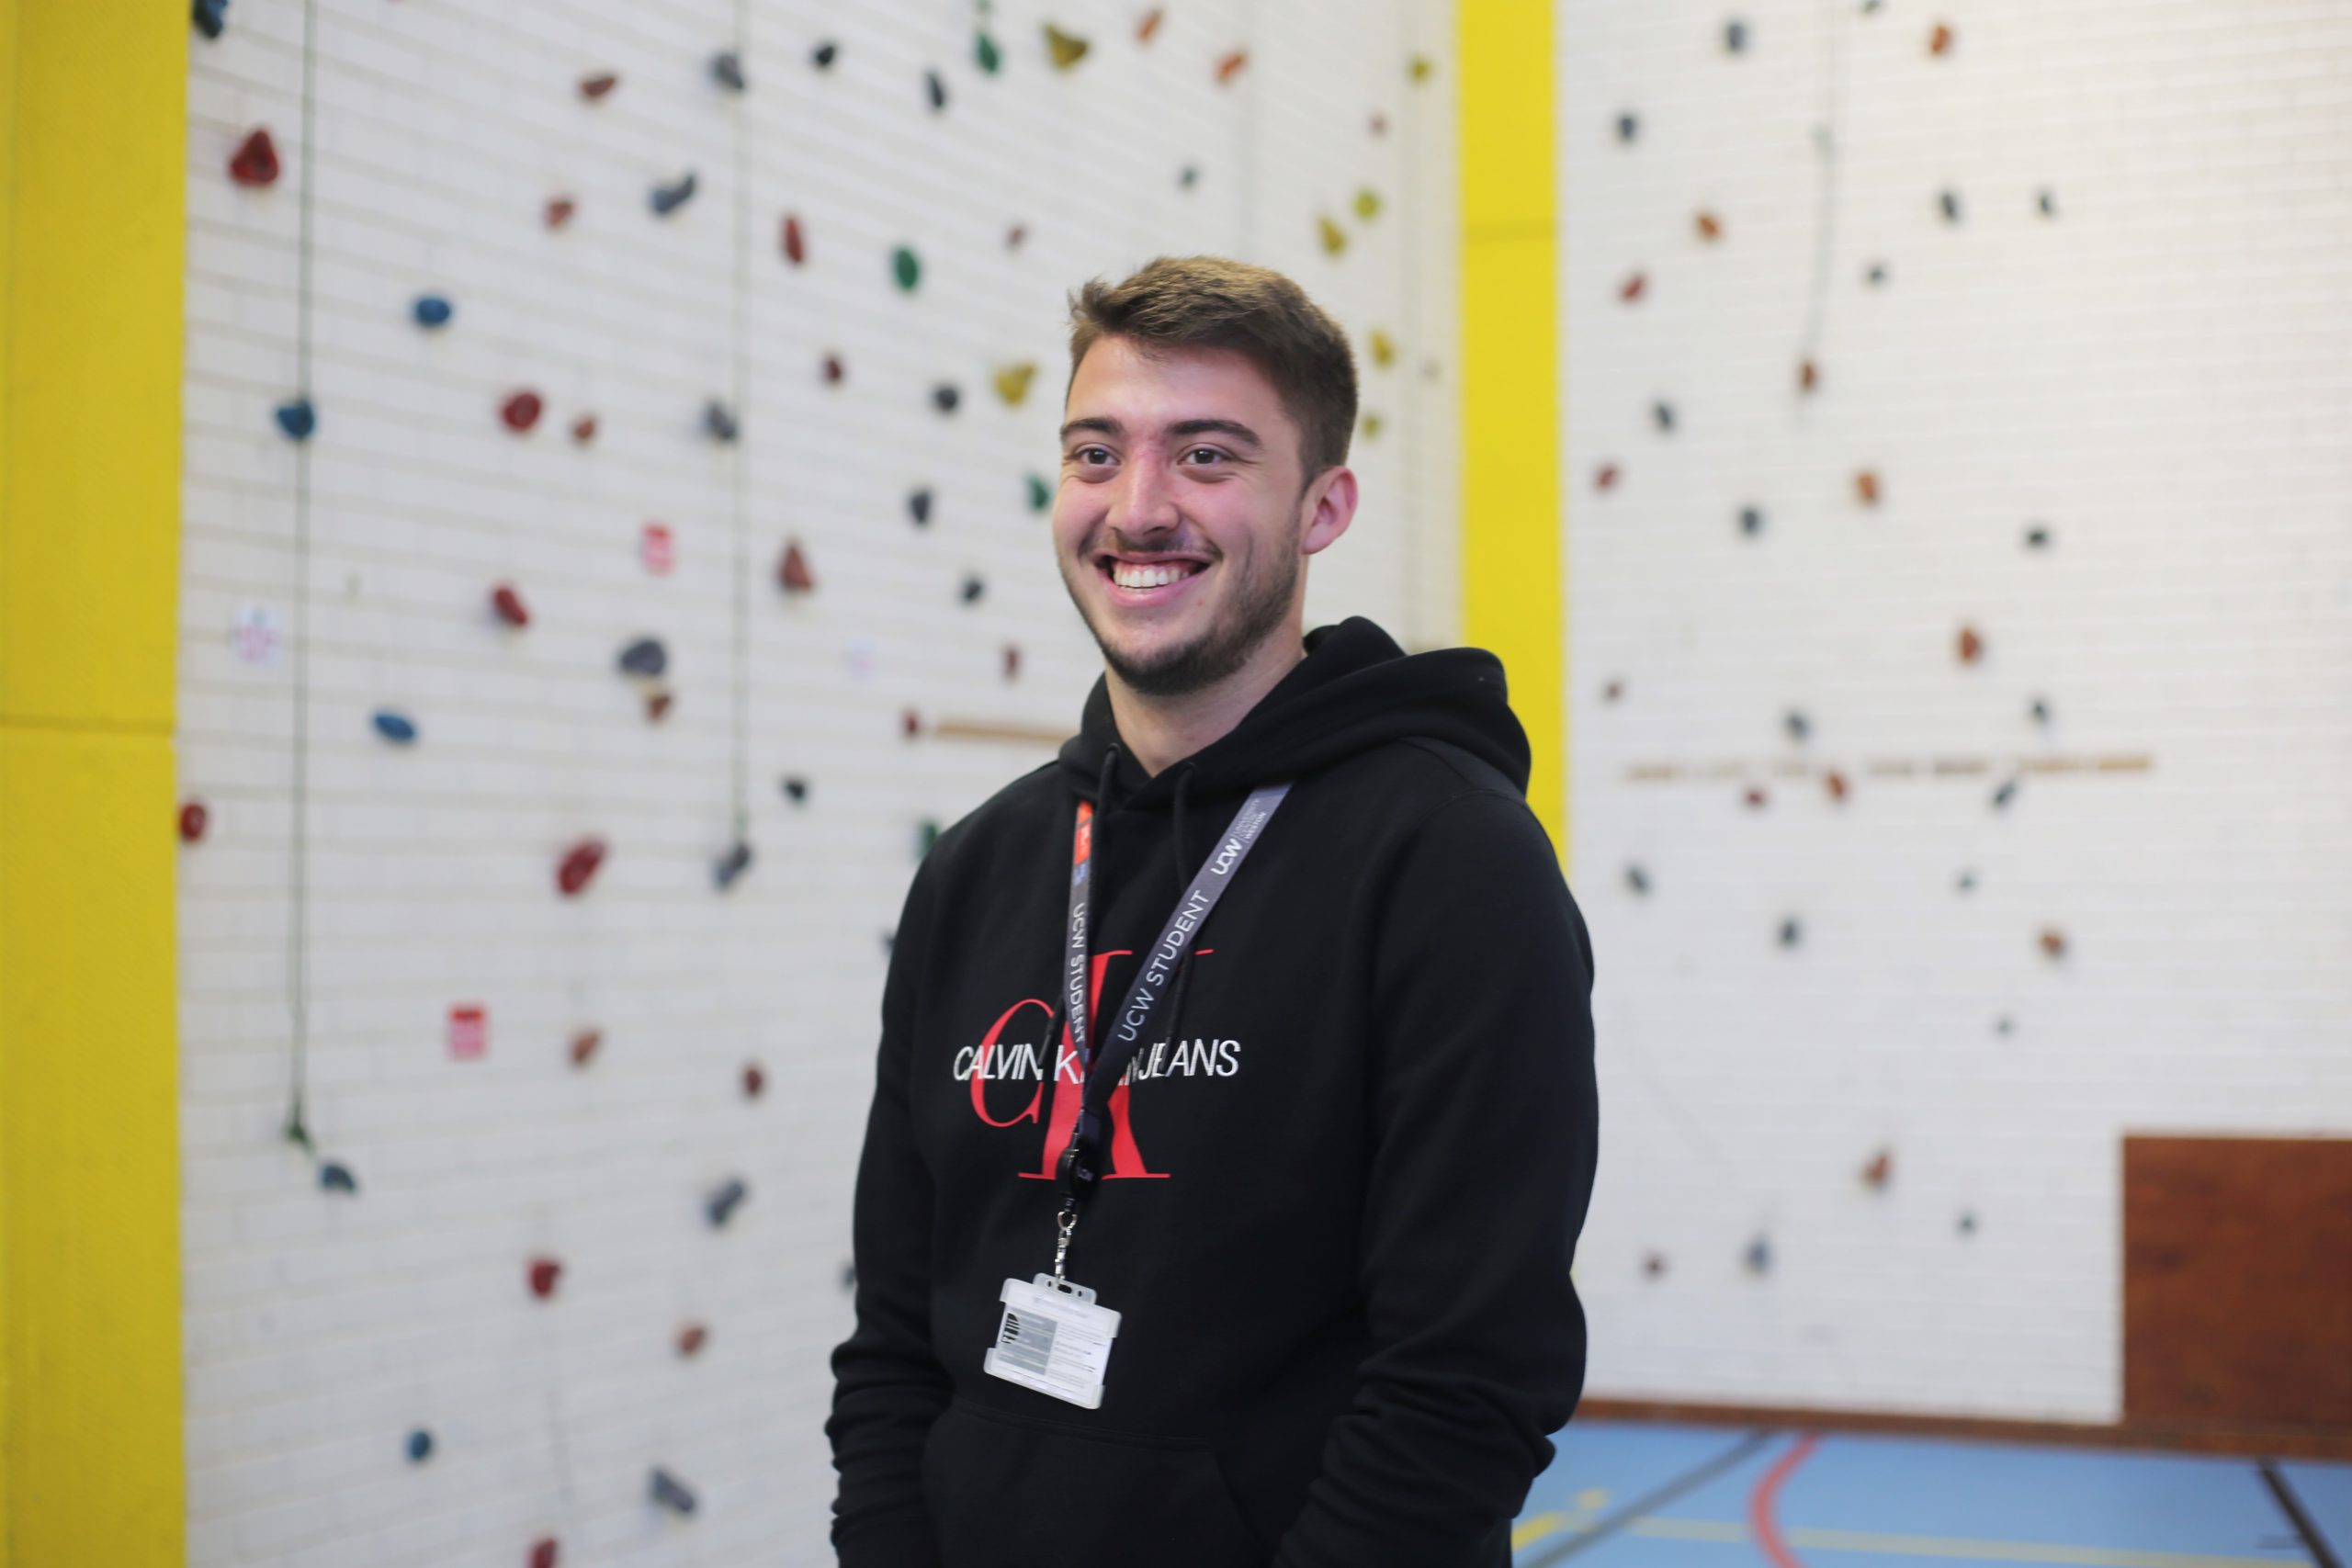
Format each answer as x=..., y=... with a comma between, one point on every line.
x=1356, y=689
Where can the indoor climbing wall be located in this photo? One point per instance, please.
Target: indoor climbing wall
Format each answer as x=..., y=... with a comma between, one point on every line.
x=618, y=442
x=1959, y=564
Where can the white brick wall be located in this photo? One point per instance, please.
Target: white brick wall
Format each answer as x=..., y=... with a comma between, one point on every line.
x=320, y=1329
x=2162, y=374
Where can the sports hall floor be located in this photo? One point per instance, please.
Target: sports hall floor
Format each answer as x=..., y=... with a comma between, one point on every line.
x=1638, y=1495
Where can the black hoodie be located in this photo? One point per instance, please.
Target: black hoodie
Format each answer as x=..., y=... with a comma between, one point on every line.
x=1348, y=1172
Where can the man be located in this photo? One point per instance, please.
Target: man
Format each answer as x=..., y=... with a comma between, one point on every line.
x=1259, y=1252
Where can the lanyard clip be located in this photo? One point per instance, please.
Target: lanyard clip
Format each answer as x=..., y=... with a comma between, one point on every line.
x=1081, y=1163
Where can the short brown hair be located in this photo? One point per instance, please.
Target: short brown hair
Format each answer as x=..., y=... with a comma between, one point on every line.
x=1212, y=302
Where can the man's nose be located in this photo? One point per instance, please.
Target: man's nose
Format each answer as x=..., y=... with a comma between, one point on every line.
x=1143, y=499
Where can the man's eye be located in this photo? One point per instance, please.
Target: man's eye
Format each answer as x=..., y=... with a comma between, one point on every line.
x=1080, y=454
x=1210, y=450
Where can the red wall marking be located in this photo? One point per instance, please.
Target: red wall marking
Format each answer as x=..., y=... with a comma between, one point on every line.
x=1759, y=1504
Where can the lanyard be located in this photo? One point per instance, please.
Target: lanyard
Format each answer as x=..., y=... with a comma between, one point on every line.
x=1082, y=1160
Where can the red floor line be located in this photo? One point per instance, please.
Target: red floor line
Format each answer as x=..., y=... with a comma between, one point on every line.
x=1766, y=1529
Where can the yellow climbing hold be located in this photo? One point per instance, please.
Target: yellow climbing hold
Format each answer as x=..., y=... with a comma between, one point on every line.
x=1367, y=204
x=1335, y=239
x=1012, y=382
x=1421, y=68
x=1371, y=427
x=1067, y=49
x=1383, y=348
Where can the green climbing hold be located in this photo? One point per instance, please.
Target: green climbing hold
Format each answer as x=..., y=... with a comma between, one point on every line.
x=906, y=269
x=1041, y=495
x=984, y=49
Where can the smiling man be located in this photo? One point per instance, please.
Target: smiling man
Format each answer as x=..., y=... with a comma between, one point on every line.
x=1207, y=1232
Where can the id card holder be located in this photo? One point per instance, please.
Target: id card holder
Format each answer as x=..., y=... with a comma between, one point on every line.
x=1053, y=1338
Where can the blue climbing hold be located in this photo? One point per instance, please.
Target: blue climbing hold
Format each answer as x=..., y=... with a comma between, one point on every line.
x=208, y=17
x=645, y=656
x=432, y=311
x=668, y=198
x=726, y=69
x=672, y=1493
x=720, y=422
x=420, y=1446
x=395, y=727
x=337, y=1178
x=297, y=418
x=723, y=1203
x=732, y=865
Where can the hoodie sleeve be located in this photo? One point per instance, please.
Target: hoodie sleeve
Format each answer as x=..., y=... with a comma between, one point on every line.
x=1485, y=1119
x=888, y=1386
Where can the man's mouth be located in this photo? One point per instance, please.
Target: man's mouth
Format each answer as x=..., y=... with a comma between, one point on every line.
x=1147, y=579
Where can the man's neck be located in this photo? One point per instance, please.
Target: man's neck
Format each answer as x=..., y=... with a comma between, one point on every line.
x=1158, y=731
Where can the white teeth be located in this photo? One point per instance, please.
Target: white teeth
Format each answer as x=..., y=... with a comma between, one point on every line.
x=1128, y=575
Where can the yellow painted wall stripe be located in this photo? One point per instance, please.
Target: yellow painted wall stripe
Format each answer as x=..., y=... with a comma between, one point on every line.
x=93, y=166
x=1511, y=523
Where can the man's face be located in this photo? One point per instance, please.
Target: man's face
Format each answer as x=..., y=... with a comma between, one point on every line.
x=1180, y=473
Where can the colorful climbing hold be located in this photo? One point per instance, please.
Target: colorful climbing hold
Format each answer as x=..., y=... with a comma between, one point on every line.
x=1835, y=782
x=1734, y=36
x=731, y=866
x=297, y=418
x=645, y=656
x=1797, y=725
x=2040, y=710
x=1791, y=932
x=1383, y=348
x=1633, y=287
x=1066, y=50
x=1967, y=1223
x=718, y=422
x=599, y=85
x=1371, y=427
x=1015, y=235
x=1866, y=487
x=1605, y=477
x=1940, y=41
x=926, y=835
x=1637, y=879
x=2005, y=793
x=559, y=209
x=543, y=1273
x=944, y=397
x=755, y=1080
x=1420, y=68
x=972, y=589
x=1367, y=203
x=692, y=1338
x=1751, y=520
x=336, y=1176
x=431, y=310
x=909, y=723
x=824, y=54
x=795, y=789
x=584, y=430
x=795, y=248
x=1149, y=25
x=726, y=69
x=1335, y=239
x=193, y=818
x=1654, y=1264
x=395, y=727
x=1758, y=1256
x=1012, y=661
x=2047, y=200
x=906, y=269
x=1710, y=227
x=1012, y=382
x=583, y=1045
x=672, y=1493
x=1972, y=647
x=1880, y=1170
x=1662, y=413
x=793, y=572
x=657, y=548
x=578, y=866
x=1808, y=375
x=521, y=410
x=918, y=507
x=2054, y=943
x=722, y=1204
x=666, y=200
x=1041, y=495
x=658, y=702
x=1188, y=177
x=834, y=371
x=936, y=89
x=508, y=606
x=1230, y=65
x=255, y=162
x=1612, y=691
x=209, y=16
x=420, y=1446
x=1754, y=798
x=2037, y=536
x=543, y=1553
x=1949, y=200
x=985, y=53
x=1629, y=126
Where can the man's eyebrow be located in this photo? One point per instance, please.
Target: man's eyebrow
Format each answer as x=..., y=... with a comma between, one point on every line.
x=1181, y=427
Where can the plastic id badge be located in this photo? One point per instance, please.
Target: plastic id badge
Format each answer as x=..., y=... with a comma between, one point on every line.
x=1054, y=1339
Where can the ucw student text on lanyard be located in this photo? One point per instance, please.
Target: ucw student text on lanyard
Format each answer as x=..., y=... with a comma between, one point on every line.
x=1055, y=1338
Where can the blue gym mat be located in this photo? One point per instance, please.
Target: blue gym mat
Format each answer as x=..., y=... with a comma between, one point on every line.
x=1638, y=1495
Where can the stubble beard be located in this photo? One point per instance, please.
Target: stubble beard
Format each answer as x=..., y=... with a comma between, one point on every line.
x=1260, y=605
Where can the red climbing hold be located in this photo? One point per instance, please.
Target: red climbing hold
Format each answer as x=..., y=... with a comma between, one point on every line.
x=690, y=1338
x=1940, y=41
x=795, y=250
x=794, y=572
x=545, y=1272
x=559, y=210
x=834, y=371
x=1835, y=782
x=509, y=605
x=583, y=429
x=2054, y=943
x=1607, y=478
x=1808, y=376
x=521, y=410
x=1881, y=1167
x=1630, y=289
x=1709, y=226
x=1231, y=66
x=256, y=160
x=543, y=1553
x=583, y=1045
x=596, y=87
x=1149, y=26
x=579, y=865
x=1866, y=487
x=755, y=1080
x=1754, y=798
x=1970, y=646
x=193, y=817
x=1012, y=661
x=657, y=706
x=909, y=723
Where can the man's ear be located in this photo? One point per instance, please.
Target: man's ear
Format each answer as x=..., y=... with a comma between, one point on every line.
x=1330, y=505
